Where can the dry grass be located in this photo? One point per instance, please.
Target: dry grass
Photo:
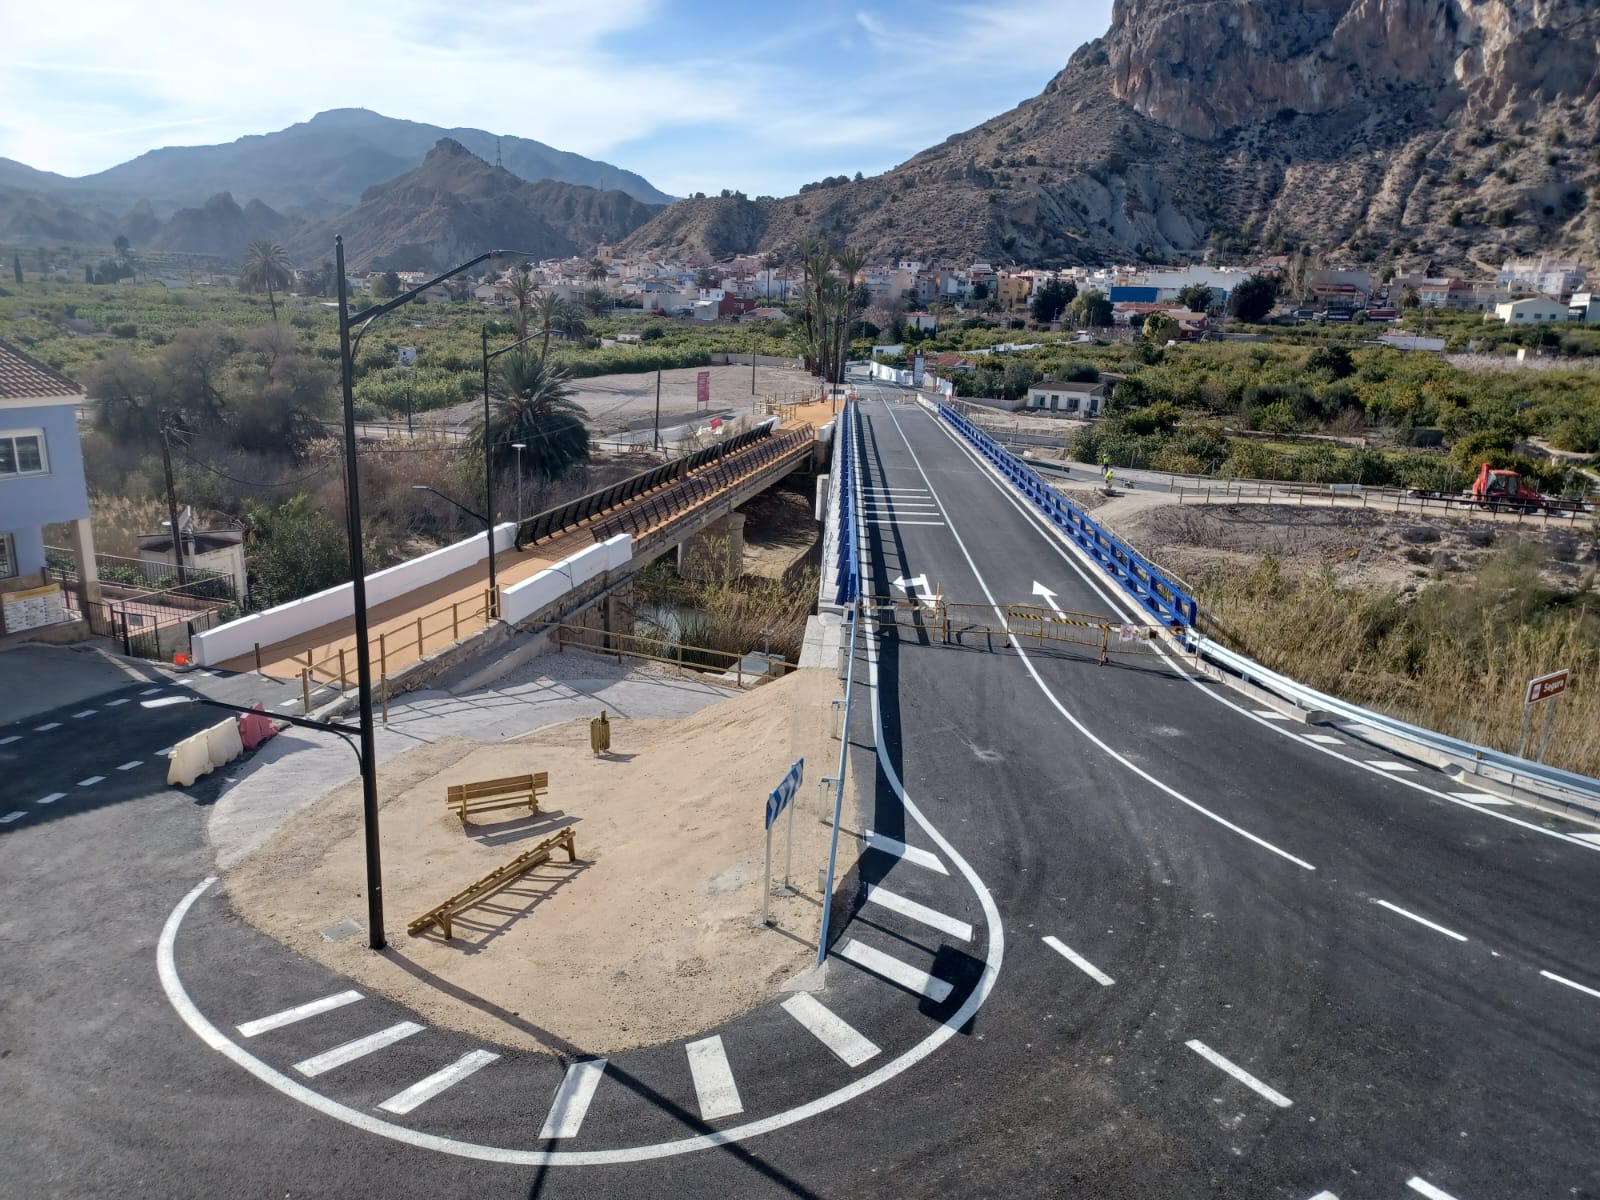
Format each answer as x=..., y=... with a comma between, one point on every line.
x=1453, y=656
x=119, y=520
x=730, y=613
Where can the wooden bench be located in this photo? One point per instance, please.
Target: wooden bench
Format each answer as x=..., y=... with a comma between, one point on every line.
x=514, y=791
x=495, y=880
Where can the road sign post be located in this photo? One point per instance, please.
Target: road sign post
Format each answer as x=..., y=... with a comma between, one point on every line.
x=782, y=797
x=1545, y=687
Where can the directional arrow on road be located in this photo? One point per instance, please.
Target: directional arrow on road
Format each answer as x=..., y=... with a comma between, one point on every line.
x=916, y=588
x=1039, y=589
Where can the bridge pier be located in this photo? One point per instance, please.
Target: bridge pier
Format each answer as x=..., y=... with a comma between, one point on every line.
x=716, y=552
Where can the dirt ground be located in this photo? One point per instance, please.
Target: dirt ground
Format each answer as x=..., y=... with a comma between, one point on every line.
x=780, y=528
x=651, y=935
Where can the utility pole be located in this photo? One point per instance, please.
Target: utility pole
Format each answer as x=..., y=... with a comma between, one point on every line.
x=658, y=409
x=752, y=365
x=172, y=500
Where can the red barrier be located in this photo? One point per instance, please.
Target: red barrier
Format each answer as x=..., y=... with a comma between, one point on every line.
x=253, y=729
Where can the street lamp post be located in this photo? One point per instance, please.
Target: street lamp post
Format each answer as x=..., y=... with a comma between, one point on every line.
x=488, y=450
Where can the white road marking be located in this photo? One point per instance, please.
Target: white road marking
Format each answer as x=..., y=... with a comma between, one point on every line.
x=1586, y=990
x=714, y=1088
x=319, y=1064
x=91, y=781
x=911, y=854
x=895, y=902
x=289, y=703
x=572, y=1099
x=47, y=728
x=88, y=712
x=6, y=741
x=1386, y=764
x=888, y=524
x=1324, y=739
x=1077, y=960
x=1271, y=714
x=1418, y=1184
x=167, y=753
x=895, y=971
x=12, y=816
x=51, y=798
x=114, y=703
x=1324, y=1196
x=128, y=766
x=1395, y=908
x=1592, y=838
x=1482, y=798
x=1239, y=1073
x=149, y=691
x=831, y=1031
x=426, y=1089
x=298, y=1013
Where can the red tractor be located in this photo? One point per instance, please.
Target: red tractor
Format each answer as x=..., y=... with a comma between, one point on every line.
x=1493, y=488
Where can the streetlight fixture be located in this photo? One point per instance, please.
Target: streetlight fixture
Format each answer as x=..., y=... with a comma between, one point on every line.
x=519, y=447
x=366, y=753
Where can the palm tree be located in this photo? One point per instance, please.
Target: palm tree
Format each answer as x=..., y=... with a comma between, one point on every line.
x=549, y=308
x=533, y=405
x=524, y=291
x=596, y=269
x=850, y=260
x=265, y=264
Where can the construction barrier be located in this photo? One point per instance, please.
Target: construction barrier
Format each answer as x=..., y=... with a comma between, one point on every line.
x=190, y=759
x=442, y=914
x=223, y=743
x=256, y=727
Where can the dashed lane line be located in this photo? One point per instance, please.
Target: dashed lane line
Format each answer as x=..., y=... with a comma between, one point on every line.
x=166, y=752
x=12, y=816
x=6, y=741
x=571, y=1104
x=1411, y=916
x=321, y=1064
x=91, y=781
x=423, y=1090
x=88, y=712
x=128, y=766
x=114, y=703
x=897, y=849
x=889, y=967
x=298, y=1013
x=47, y=728
x=51, y=798
x=1418, y=1184
x=833, y=1032
x=1588, y=991
x=932, y=918
x=1250, y=1081
x=714, y=1088
x=1077, y=960
x=149, y=691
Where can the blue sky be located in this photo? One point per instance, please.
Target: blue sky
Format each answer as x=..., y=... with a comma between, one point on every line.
x=696, y=95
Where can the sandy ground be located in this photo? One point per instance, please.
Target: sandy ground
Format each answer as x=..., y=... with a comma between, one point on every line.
x=650, y=936
x=780, y=529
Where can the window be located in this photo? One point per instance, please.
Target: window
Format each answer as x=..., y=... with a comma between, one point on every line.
x=22, y=453
x=8, y=557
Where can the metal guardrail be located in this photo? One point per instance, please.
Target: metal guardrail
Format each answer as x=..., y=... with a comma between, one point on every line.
x=1156, y=593
x=1309, y=698
x=848, y=581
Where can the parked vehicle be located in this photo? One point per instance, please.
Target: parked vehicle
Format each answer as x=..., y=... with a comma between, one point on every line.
x=1493, y=487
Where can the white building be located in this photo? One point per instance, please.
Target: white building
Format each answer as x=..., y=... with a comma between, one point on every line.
x=1583, y=307
x=1533, y=311
x=1542, y=276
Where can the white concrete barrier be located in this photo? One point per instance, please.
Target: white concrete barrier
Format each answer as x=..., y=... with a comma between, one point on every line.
x=521, y=600
x=290, y=620
x=223, y=743
x=190, y=759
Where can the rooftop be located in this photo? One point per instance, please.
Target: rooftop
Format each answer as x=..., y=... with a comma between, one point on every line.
x=23, y=376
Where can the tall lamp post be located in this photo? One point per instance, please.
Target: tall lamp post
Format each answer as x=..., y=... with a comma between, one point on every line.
x=519, y=447
x=360, y=321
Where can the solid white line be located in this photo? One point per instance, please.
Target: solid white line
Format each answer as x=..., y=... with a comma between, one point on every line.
x=128, y=766
x=6, y=741
x=47, y=728
x=13, y=816
x=1481, y=798
x=51, y=798
x=895, y=971
x=835, y=1034
x=1077, y=960
x=918, y=912
x=911, y=854
x=91, y=781
x=426, y=1089
x=298, y=1013
x=1395, y=908
x=1559, y=979
x=1418, y=1184
x=1324, y=739
x=714, y=1088
x=1239, y=1073
x=1384, y=764
x=319, y=1064
x=114, y=703
x=571, y=1104
x=88, y=712
x=1027, y=662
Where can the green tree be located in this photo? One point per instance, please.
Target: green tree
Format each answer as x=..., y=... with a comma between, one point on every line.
x=1051, y=300
x=266, y=264
x=525, y=294
x=294, y=550
x=980, y=290
x=1196, y=297
x=596, y=270
x=383, y=285
x=533, y=405
x=1253, y=298
x=1159, y=329
x=1090, y=309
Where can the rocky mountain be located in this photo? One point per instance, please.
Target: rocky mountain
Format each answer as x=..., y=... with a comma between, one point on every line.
x=326, y=161
x=218, y=227
x=456, y=205
x=1459, y=131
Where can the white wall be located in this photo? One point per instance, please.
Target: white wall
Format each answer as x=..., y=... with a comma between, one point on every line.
x=522, y=600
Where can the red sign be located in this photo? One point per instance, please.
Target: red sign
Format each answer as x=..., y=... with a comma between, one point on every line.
x=1546, y=686
x=702, y=395
x=716, y=424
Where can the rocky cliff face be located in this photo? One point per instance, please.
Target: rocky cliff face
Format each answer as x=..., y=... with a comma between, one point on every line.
x=1453, y=130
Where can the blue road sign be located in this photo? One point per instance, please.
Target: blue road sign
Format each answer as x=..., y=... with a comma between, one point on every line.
x=784, y=792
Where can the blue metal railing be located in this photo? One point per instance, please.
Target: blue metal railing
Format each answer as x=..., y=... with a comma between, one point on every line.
x=1156, y=594
x=847, y=584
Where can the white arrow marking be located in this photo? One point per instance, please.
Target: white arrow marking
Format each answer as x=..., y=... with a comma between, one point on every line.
x=920, y=582
x=1039, y=589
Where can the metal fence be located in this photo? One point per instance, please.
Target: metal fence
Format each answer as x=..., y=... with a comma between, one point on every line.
x=848, y=582
x=202, y=582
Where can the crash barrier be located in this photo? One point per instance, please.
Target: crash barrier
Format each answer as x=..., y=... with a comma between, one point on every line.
x=1156, y=594
x=974, y=625
x=203, y=752
x=534, y=594
x=662, y=506
x=1519, y=771
x=738, y=670
x=842, y=523
x=486, y=795
x=441, y=915
x=543, y=526
x=256, y=727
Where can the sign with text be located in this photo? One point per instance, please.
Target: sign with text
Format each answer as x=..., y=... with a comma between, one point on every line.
x=702, y=394
x=1546, y=686
x=784, y=792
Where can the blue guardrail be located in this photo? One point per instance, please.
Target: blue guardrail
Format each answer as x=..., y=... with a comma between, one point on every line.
x=848, y=583
x=1156, y=594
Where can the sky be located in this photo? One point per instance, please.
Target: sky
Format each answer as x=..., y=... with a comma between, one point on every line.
x=695, y=95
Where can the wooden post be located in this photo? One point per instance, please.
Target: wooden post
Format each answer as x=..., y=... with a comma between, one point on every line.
x=305, y=692
x=258, y=658
x=383, y=656
x=385, y=685
x=455, y=620
x=419, y=636
x=343, y=678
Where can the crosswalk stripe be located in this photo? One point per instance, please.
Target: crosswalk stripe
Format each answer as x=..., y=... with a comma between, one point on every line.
x=567, y=1110
x=895, y=971
x=1077, y=960
x=714, y=1088
x=918, y=912
x=888, y=524
x=1325, y=739
x=426, y=1089
x=1588, y=837
x=1479, y=798
x=298, y=1013
x=1271, y=714
x=834, y=1033
x=911, y=854
x=1384, y=764
x=1420, y=1185
x=319, y=1064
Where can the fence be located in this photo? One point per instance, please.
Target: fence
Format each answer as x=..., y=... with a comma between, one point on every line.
x=964, y=624
x=727, y=666
x=397, y=647
x=202, y=582
x=847, y=583
x=143, y=626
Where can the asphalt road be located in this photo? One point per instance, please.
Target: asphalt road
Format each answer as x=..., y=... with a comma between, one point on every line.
x=1276, y=968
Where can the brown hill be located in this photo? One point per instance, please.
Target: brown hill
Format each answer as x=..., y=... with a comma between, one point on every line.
x=219, y=227
x=1464, y=130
